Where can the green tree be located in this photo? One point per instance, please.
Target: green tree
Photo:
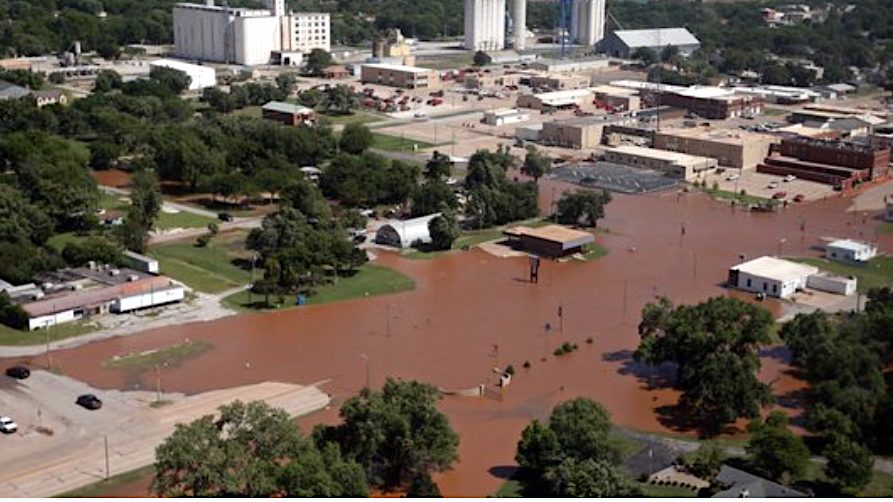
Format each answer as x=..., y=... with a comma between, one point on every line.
x=170, y=80
x=433, y=197
x=355, y=139
x=714, y=346
x=850, y=465
x=317, y=61
x=394, y=434
x=582, y=208
x=107, y=81
x=775, y=451
x=95, y=248
x=706, y=461
x=589, y=478
x=104, y=154
x=536, y=165
x=250, y=450
x=145, y=198
x=444, y=231
x=646, y=55
x=286, y=83
x=438, y=168
x=340, y=100
x=481, y=58
x=422, y=486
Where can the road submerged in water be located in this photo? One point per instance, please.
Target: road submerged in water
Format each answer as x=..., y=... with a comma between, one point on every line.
x=472, y=312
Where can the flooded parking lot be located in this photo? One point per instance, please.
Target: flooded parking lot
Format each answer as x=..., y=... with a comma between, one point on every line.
x=472, y=312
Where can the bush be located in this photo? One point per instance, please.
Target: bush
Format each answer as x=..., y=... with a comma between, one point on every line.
x=590, y=341
x=526, y=364
x=510, y=370
x=203, y=240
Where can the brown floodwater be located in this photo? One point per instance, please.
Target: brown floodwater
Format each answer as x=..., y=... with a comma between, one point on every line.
x=471, y=312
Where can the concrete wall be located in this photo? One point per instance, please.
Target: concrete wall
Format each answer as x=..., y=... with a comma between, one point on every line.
x=745, y=155
x=845, y=255
x=831, y=284
x=572, y=135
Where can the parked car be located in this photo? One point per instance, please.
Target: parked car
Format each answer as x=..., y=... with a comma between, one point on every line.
x=799, y=197
x=89, y=401
x=18, y=372
x=732, y=177
x=7, y=425
x=779, y=195
x=789, y=178
x=225, y=217
x=772, y=185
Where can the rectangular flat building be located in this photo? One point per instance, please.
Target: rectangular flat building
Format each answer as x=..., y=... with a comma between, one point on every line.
x=676, y=165
x=771, y=276
x=406, y=77
x=288, y=113
x=624, y=43
x=730, y=147
x=551, y=241
x=848, y=250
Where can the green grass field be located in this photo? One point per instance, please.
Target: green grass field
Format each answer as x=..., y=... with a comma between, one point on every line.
x=167, y=356
x=14, y=337
x=209, y=269
x=167, y=221
x=370, y=280
x=878, y=273
x=355, y=118
x=397, y=144
x=733, y=196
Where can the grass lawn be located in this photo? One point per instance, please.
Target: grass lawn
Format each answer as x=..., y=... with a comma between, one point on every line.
x=594, y=252
x=168, y=356
x=249, y=111
x=59, y=241
x=102, y=488
x=656, y=491
x=881, y=485
x=397, y=144
x=167, y=221
x=877, y=273
x=737, y=197
x=210, y=269
x=354, y=118
x=10, y=336
x=370, y=280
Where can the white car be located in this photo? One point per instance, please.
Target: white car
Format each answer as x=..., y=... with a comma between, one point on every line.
x=732, y=177
x=789, y=178
x=772, y=185
x=7, y=426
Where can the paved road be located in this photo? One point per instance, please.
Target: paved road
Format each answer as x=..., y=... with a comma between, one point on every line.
x=74, y=455
x=170, y=205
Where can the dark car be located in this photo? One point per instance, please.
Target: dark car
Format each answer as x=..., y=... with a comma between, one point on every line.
x=225, y=217
x=89, y=401
x=18, y=372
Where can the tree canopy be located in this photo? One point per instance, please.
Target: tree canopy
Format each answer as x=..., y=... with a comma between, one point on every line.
x=582, y=208
x=776, y=452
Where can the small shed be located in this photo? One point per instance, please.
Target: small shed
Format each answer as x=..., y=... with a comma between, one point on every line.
x=288, y=113
x=551, y=241
x=406, y=233
x=848, y=250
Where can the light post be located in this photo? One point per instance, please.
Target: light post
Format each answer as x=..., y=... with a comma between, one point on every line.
x=366, y=358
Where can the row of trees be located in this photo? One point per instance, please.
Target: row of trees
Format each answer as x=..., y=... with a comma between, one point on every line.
x=390, y=440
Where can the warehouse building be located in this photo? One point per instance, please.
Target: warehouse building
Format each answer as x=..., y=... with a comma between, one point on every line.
x=554, y=82
x=673, y=164
x=835, y=163
x=555, y=100
x=404, y=234
x=713, y=103
x=782, y=278
x=580, y=132
x=849, y=251
x=624, y=43
x=616, y=99
x=570, y=65
x=208, y=32
x=505, y=116
x=288, y=114
x=550, y=241
x=201, y=76
x=406, y=77
x=730, y=147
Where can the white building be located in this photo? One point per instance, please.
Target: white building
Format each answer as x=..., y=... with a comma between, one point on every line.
x=771, y=276
x=504, y=116
x=244, y=36
x=485, y=25
x=202, y=76
x=588, y=21
x=406, y=233
x=848, y=250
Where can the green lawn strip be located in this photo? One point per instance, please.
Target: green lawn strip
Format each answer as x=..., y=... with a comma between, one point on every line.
x=182, y=219
x=370, y=280
x=249, y=111
x=209, y=269
x=106, y=486
x=774, y=112
x=355, y=118
x=392, y=143
x=167, y=356
x=11, y=336
x=737, y=197
x=594, y=252
x=59, y=241
x=511, y=488
x=877, y=273
x=658, y=491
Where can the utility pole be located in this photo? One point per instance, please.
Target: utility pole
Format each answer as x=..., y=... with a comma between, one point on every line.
x=366, y=358
x=106, y=437
x=560, y=317
x=157, y=383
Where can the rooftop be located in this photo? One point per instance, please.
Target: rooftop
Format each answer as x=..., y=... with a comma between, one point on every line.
x=680, y=158
x=279, y=106
x=614, y=90
x=727, y=136
x=567, y=237
x=706, y=92
x=776, y=268
x=850, y=245
x=660, y=37
x=397, y=67
x=740, y=484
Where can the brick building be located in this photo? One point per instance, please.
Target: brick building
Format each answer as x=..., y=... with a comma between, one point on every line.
x=835, y=163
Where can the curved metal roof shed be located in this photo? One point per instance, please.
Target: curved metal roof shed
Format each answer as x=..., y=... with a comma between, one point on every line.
x=404, y=234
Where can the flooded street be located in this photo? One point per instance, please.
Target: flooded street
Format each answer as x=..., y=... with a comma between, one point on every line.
x=472, y=312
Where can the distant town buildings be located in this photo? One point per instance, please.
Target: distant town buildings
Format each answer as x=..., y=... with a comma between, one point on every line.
x=731, y=147
x=624, y=43
x=673, y=164
x=208, y=32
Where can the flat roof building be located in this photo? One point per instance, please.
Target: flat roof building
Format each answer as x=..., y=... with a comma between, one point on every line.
x=560, y=82
x=624, y=43
x=849, y=251
x=505, y=116
x=832, y=162
x=676, y=165
x=555, y=99
x=730, y=147
x=580, y=132
x=551, y=241
x=570, y=65
x=406, y=77
x=779, y=278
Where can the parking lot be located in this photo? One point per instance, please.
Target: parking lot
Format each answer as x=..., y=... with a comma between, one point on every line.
x=61, y=446
x=767, y=185
x=614, y=178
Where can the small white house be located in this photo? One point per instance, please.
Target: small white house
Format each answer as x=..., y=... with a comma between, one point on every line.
x=505, y=116
x=848, y=250
x=771, y=276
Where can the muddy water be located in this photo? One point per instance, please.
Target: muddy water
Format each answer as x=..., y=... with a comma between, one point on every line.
x=472, y=312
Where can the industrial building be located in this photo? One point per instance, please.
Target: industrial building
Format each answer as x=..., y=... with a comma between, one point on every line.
x=782, y=278
x=485, y=25
x=570, y=65
x=673, y=164
x=288, y=114
x=550, y=241
x=505, y=116
x=849, y=251
x=588, y=21
x=244, y=36
x=404, y=234
x=200, y=76
x=616, y=99
x=560, y=82
x=835, y=163
x=580, y=132
x=715, y=103
x=71, y=294
x=555, y=100
x=406, y=77
x=624, y=43
x=730, y=147
x=778, y=94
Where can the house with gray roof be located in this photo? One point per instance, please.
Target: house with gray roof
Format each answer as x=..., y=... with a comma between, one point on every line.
x=736, y=483
x=11, y=91
x=624, y=43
